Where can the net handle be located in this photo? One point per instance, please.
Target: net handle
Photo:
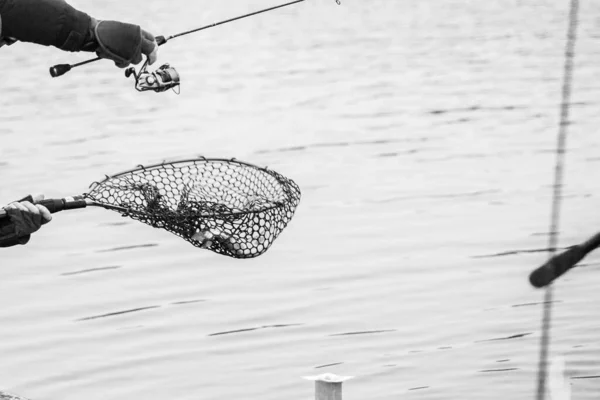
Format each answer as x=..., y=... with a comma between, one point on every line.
x=69, y=203
x=82, y=201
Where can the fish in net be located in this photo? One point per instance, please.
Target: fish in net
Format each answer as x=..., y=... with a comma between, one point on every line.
x=230, y=207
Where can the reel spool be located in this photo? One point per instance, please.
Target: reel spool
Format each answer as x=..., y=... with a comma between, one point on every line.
x=161, y=80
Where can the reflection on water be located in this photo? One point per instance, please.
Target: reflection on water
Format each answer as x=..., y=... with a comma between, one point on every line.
x=422, y=136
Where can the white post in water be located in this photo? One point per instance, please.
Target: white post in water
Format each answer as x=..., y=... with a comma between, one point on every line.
x=328, y=386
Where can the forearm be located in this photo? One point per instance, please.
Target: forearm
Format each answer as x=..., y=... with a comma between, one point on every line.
x=46, y=22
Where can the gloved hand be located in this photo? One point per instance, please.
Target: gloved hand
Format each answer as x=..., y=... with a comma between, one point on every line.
x=124, y=43
x=24, y=218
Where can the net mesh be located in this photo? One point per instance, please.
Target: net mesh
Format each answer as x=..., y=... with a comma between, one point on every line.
x=227, y=206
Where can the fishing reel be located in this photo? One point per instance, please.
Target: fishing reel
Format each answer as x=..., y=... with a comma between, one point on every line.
x=161, y=80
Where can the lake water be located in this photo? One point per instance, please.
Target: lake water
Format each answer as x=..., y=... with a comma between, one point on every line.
x=422, y=134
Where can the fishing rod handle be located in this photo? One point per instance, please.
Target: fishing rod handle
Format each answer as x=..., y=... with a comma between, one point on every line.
x=57, y=205
x=563, y=262
x=556, y=266
x=61, y=69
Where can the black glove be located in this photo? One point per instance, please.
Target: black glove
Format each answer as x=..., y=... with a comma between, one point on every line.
x=124, y=43
x=24, y=218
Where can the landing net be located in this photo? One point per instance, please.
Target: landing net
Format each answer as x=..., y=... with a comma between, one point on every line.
x=227, y=206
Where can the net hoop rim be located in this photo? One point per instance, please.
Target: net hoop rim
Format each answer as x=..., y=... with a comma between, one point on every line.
x=175, y=162
x=199, y=160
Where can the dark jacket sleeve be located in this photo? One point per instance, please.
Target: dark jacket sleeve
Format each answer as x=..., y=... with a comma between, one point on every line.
x=8, y=237
x=46, y=22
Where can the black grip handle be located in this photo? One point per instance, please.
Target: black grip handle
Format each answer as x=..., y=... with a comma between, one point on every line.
x=556, y=266
x=59, y=70
x=57, y=205
x=561, y=263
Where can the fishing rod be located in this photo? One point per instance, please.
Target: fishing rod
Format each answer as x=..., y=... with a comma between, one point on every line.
x=165, y=77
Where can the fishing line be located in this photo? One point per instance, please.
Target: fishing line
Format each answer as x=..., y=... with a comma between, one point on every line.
x=557, y=192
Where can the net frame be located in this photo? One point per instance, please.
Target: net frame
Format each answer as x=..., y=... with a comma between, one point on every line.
x=230, y=207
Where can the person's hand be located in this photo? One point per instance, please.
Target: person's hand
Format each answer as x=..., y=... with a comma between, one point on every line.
x=27, y=217
x=124, y=43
